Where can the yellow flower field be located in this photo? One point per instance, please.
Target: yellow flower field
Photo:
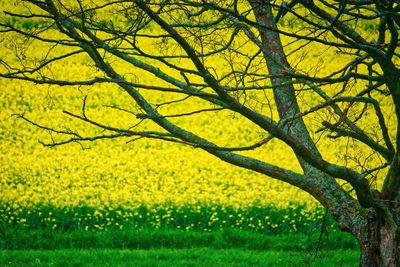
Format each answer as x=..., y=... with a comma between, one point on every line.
x=124, y=176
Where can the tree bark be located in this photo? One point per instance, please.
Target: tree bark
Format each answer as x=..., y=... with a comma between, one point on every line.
x=379, y=244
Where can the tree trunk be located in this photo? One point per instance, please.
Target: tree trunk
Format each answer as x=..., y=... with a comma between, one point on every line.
x=379, y=241
x=380, y=245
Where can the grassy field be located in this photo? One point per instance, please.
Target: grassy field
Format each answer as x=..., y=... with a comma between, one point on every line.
x=171, y=247
x=149, y=238
x=173, y=257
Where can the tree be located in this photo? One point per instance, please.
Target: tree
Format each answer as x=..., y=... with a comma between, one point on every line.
x=195, y=37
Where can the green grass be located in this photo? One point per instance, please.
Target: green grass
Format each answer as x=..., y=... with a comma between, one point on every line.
x=172, y=247
x=173, y=257
x=19, y=238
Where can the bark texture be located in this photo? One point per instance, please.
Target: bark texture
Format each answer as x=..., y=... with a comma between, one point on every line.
x=379, y=244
